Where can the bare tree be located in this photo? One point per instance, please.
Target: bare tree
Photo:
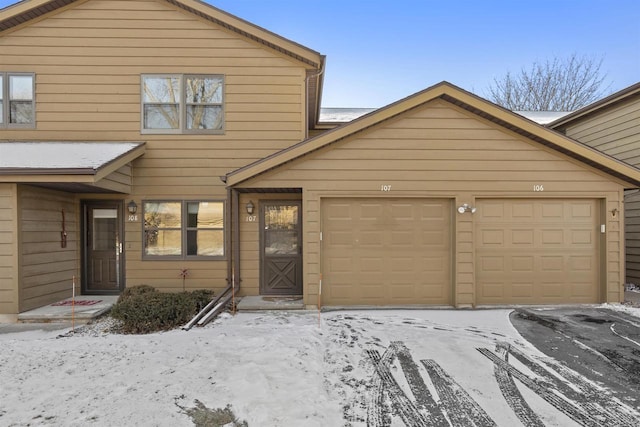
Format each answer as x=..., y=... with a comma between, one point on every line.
x=554, y=85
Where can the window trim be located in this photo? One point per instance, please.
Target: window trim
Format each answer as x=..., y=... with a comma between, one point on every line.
x=5, y=100
x=182, y=106
x=184, y=228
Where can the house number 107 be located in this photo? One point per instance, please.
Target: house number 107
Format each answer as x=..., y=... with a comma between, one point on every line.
x=385, y=188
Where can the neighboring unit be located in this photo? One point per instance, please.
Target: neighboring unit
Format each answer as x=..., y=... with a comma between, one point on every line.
x=144, y=141
x=612, y=125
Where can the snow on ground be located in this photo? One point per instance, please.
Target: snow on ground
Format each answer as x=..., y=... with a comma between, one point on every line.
x=273, y=368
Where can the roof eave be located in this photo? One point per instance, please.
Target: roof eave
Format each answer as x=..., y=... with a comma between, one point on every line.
x=120, y=161
x=27, y=10
x=612, y=99
x=251, y=31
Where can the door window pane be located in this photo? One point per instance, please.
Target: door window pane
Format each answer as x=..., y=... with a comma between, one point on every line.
x=281, y=231
x=105, y=222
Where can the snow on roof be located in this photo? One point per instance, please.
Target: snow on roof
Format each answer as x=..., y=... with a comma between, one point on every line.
x=542, y=117
x=344, y=115
x=61, y=155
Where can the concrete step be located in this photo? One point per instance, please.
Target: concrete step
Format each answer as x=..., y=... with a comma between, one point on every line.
x=85, y=309
x=259, y=303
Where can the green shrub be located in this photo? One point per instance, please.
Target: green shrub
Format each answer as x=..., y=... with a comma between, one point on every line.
x=135, y=291
x=143, y=309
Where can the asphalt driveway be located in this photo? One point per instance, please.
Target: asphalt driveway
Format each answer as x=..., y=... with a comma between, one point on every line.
x=600, y=344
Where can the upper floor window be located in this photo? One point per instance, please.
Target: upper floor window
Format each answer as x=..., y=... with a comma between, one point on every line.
x=17, y=101
x=189, y=103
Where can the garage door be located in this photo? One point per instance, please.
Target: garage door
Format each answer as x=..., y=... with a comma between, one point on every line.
x=537, y=251
x=386, y=251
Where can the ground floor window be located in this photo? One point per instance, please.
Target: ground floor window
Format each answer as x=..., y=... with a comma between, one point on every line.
x=183, y=229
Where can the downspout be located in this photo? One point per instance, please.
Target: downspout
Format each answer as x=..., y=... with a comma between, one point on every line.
x=229, y=239
x=306, y=104
x=235, y=201
x=218, y=303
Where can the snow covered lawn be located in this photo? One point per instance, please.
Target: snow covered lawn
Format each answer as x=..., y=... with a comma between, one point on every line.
x=394, y=368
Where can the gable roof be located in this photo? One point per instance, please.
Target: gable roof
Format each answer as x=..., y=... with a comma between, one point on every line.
x=27, y=10
x=463, y=99
x=594, y=108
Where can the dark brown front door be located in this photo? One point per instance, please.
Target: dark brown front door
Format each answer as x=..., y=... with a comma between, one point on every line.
x=103, y=249
x=281, y=248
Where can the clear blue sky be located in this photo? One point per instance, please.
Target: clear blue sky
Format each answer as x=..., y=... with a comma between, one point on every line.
x=381, y=51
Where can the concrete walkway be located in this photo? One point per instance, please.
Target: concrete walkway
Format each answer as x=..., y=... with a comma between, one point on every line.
x=85, y=309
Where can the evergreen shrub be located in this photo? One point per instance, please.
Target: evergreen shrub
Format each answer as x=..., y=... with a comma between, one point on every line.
x=143, y=309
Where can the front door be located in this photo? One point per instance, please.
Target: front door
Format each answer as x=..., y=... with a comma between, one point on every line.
x=281, y=248
x=103, y=249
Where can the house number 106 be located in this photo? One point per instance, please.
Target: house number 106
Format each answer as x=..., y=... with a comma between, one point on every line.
x=538, y=187
x=385, y=188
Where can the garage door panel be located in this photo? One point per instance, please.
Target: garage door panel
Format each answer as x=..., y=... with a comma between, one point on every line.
x=536, y=252
x=522, y=290
x=399, y=252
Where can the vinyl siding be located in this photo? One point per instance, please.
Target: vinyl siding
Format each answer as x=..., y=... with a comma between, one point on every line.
x=8, y=250
x=119, y=180
x=47, y=269
x=632, y=236
x=88, y=60
x=441, y=151
x=616, y=131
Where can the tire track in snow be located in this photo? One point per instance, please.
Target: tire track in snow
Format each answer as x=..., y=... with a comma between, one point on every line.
x=593, y=400
x=419, y=389
x=403, y=406
x=511, y=393
x=570, y=408
x=376, y=415
x=461, y=409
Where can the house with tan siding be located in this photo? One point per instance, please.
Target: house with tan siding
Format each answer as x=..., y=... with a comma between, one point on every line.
x=143, y=138
x=612, y=125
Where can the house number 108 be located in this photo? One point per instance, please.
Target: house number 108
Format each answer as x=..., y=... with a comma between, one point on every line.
x=385, y=188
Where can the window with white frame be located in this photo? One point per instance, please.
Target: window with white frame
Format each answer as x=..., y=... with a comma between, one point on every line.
x=17, y=101
x=183, y=229
x=182, y=103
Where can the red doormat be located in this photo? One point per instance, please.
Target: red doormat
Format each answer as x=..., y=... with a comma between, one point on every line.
x=78, y=302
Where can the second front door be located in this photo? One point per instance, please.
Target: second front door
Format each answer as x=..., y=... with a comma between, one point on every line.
x=281, y=248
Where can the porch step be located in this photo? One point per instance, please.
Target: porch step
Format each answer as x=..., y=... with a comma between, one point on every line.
x=259, y=303
x=86, y=308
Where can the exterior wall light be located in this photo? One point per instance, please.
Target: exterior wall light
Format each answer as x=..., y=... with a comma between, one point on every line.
x=132, y=207
x=250, y=207
x=466, y=208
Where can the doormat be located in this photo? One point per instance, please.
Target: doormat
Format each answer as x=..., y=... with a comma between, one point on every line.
x=78, y=302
